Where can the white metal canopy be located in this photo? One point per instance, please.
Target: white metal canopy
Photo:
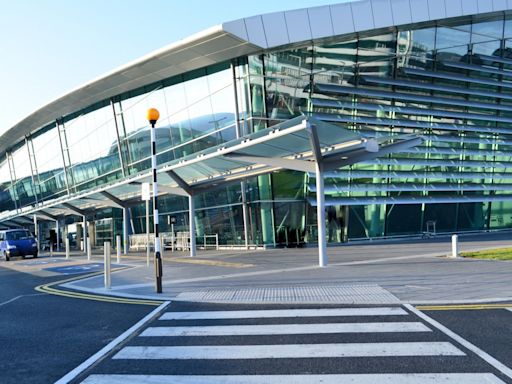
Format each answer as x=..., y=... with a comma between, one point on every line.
x=302, y=143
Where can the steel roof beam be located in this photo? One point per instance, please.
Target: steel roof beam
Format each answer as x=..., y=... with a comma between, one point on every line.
x=11, y=223
x=74, y=209
x=293, y=164
x=47, y=215
x=181, y=183
x=343, y=159
x=314, y=141
x=23, y=219
x=166, y=188
x=117, y=202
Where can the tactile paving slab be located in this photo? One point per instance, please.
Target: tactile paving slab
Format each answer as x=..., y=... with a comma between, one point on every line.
x=335, y=294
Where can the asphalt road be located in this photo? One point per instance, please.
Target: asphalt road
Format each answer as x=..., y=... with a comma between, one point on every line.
x=127, y=358
x=43, y=337
x=490, y=330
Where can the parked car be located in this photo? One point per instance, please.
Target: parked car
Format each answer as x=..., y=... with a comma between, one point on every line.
x=17, y=242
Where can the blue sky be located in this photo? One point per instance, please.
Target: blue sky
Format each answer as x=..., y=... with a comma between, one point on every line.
x=49, y=47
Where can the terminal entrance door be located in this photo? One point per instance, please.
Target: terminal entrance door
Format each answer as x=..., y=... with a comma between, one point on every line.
x=337, y=221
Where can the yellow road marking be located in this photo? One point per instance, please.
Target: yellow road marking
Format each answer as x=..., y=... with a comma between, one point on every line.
x=462, y=307
x=215, y=263
x=49, y=289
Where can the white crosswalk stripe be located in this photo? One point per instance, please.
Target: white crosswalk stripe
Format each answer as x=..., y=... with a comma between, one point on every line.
x=203, y=339
x=291, y=351
x=284, y=313
x=285, y=329
x=396, y=378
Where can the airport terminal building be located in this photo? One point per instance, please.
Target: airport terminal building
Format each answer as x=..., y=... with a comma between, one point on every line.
x=411, y=100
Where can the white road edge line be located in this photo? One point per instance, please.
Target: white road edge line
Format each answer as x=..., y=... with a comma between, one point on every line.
x=110, y=346
x=473, y=348
x=19, y=297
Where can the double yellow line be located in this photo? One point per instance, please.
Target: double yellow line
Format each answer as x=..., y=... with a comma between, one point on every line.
x=49, y=289
x=463, y=307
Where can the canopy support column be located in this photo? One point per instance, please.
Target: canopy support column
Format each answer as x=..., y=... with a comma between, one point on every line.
x=118, y=203
x=36, y=232
x=320, y=196
x=84, y=239
x=57, y=233
x=192, y=225
x=320, y=213
x=245, y=214
x=125, y=231
x=191, y=209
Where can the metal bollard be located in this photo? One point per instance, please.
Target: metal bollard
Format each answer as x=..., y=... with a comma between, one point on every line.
x=106, y=263
x=455, y=246
x=217, y=241
x=118, y=248
x=205, y=242
x=51, y=249
x=88, y=242
x=67, y=248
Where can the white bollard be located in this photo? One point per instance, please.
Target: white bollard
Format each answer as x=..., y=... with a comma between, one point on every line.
x=67, y=248
x=148, y=246
x=455, y=246
x=217, y=241
x=172, y=238
x=88, y=242
x=106, y=263
x=118, y=248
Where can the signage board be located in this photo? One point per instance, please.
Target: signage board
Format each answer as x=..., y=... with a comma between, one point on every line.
x=146, y=192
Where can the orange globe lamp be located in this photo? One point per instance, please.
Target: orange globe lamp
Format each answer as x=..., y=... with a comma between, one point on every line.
x=153, y=115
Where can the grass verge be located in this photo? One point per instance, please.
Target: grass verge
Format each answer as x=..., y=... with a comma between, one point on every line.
x=490, y=254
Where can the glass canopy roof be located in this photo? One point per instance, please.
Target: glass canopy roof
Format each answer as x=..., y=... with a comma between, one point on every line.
x=295, y=144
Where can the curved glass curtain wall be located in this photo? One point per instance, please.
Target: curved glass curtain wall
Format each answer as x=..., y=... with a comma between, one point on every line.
x=196, y=112
x=82, y=151
x=452, y=83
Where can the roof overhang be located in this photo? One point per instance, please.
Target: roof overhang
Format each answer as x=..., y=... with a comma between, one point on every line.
x=209, y=47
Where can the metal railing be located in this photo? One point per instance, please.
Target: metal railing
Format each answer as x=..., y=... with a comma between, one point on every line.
x=178, y=241
x=183, y=241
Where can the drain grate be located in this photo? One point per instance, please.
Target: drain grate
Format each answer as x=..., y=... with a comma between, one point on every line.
x=337, y=294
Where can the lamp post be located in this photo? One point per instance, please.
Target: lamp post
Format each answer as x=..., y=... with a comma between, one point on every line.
x=152, y=116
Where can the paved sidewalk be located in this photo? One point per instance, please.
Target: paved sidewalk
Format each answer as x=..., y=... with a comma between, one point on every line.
x=414, y=271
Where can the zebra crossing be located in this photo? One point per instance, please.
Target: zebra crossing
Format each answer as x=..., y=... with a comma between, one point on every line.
x=357, y=345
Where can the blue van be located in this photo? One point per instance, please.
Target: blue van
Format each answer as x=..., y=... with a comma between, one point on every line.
x=17, y=242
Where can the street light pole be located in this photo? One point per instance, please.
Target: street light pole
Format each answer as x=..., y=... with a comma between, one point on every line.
x=152, y=116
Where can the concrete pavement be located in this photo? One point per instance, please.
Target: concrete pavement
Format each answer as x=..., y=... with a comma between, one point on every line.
x=409, y=271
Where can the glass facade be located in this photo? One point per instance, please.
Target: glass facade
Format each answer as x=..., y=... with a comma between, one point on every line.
x=450, y=82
